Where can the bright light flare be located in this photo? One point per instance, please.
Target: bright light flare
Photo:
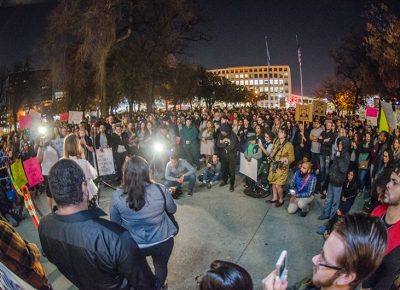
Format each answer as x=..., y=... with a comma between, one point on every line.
x=158, y=147
x=42, y=130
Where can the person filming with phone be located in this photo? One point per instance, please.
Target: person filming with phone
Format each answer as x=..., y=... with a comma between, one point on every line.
x=302, y=188
x=352, y=252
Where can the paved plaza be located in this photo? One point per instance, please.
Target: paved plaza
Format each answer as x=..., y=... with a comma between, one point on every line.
x=218, y=224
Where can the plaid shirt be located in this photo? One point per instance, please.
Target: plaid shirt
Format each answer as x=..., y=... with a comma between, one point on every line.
x=21, y=257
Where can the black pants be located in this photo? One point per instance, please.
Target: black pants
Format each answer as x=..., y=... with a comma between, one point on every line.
x=160, y=254
x=119, y=161
x=228, y=165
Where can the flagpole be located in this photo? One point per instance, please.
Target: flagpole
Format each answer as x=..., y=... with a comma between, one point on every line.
x=301, y=73
x=268, y=65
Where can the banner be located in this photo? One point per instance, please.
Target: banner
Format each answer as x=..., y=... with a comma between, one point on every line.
x=383, y=124
x=64, y=117
x=25, y=122
x=248, y=168
x=75, y=117
x=319, y=108
x=18, y=173
x=33, y=171
x=303, y=113
x=105, y=161
x=58, y=145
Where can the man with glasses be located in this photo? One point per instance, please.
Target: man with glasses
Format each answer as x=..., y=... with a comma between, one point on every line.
x=353, y=251
x=385, y=276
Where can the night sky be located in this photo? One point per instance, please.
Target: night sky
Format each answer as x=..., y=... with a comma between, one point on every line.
x=236, y=28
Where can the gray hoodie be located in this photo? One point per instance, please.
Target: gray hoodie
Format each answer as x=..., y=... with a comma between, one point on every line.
x=340, y=165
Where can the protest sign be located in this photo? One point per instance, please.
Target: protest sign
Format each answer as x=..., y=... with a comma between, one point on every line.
x=105, y=161
x=64, y=117
x=248, y=168
x=303, y=113
x=25, y=122
x=33, y=171
x=398, y=115
x=18, y=174
x=58, y=145
x=372, y=116
x=75, y=117
x=362, y=113
x=390, y=118
x=319, y=108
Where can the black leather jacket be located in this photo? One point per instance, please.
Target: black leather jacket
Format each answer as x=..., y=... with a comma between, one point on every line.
x=94, y=253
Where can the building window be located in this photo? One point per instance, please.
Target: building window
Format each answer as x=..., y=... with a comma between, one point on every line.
x=275, y=69
x=251, y=70
x=236, y=71
x=275, y=90
x=246, y=76
x=251, y=82
x=280, y=69
x=286, y=91
x=265, y=69
x=261, y=89
x=285, y=69
x=246, y=82
x=237, y=82
x=241, y=76
x=281, y=82
x=256, y=75
x=275, y=82
x=281, y=76
x=241, y=82
x=241, y=71
x=236, y=76
x=260, y=82
x=256, y=82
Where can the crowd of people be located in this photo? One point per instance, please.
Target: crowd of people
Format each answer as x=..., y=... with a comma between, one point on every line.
x=334, y=158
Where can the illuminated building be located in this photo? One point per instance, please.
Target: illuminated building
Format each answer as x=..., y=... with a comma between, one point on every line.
x=270, y=87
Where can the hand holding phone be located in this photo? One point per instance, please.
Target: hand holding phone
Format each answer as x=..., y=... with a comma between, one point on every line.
x=281, y=266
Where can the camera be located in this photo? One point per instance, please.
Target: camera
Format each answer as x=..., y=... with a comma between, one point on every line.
x=277, y=165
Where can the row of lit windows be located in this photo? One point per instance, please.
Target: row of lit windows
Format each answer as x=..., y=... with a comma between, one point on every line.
x=260, y=69
x=246, y=76
x=260, y=82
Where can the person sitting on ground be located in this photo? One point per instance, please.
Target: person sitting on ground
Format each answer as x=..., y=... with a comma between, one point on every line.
x=224, y=275
x=178, y=171
x=212, y=172
x=354, y=249
x=22, y=258
x=303, y=183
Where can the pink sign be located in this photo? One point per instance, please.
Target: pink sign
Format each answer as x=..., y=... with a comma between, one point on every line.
x=33, y=171
x=371, y=112
x=25, y=122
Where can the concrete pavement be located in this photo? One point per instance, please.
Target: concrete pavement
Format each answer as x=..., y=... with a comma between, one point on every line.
x=218, y=224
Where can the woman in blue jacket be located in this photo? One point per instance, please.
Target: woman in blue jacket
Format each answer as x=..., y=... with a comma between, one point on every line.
x=141, y=206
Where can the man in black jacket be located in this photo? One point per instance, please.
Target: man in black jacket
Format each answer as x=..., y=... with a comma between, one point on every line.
x=326, y=140
x=93, y=253
x=227, y=143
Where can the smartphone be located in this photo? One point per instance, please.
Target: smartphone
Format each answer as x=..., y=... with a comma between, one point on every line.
x=281, y=266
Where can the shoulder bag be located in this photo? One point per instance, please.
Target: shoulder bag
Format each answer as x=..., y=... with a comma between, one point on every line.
x=170, y=215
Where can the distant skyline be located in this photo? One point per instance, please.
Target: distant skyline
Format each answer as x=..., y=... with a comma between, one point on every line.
x=237, y=30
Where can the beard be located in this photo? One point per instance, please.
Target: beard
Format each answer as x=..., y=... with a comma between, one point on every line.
x=324, y=283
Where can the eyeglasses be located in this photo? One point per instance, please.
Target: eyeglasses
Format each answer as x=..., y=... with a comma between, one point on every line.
x=329, y=266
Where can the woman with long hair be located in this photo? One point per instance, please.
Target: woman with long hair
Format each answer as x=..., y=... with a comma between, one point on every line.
x=74, y=151
x=282, y=156
x=207, y=141
x=141, y=206
x=396, y=149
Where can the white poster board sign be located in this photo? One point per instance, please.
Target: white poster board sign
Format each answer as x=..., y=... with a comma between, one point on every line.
x=248, y=168
x=105, y=161
x=58, y=144
x=362, y=113
x=75, y=117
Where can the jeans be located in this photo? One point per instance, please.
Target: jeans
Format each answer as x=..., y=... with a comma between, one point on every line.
x=362, y=174
x=324, y=162
x=332, y=200
x=160, y=254
x=209, y=176
x=188, y=178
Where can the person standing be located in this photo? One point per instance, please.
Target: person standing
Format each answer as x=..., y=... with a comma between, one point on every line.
x=337, y=176
x=141, y=207
x=227, y=143
x=315, y=145
x=96, y=253
x=282, y=156
x=326, y=139
x=120, y=148
x=190, y=145
x=207, y=141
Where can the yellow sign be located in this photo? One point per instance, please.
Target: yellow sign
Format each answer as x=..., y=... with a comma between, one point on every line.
x=303, y=113
x=319, y=108
x=18, y=174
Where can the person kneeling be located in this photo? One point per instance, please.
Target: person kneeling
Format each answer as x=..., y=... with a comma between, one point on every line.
x=212, y=172
x=179, y=171
x=303, y=187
